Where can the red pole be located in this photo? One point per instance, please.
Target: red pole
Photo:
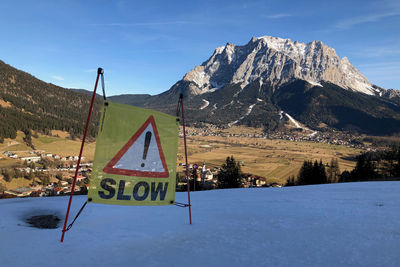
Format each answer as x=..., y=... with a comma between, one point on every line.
x=99, y=72
x=187, y=166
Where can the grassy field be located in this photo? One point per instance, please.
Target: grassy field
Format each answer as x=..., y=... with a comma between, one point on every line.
x=20, y=182
x=16, y=183
x=274, y=159
x=64, y=147
x=50, y=144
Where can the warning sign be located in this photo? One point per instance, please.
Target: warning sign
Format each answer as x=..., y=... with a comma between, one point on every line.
x=135, y=158
x=142, y=155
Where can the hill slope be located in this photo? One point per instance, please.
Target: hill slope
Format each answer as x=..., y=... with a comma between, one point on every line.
x=260, y=105
x=353, y=224
x=28, y=103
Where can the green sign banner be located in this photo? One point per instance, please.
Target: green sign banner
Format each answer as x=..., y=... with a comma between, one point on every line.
x=135, y=158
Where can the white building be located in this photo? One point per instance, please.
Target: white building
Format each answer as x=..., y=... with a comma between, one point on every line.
x=31, y=159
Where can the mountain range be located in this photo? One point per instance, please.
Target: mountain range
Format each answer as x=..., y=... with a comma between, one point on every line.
x=252, y=84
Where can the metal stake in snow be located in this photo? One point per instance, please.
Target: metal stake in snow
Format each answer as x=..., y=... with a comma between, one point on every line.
x=99, y=72
x=180, y=105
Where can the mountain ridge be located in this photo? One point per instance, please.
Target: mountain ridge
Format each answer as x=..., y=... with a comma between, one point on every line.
x=241, y=85
x=276, y=61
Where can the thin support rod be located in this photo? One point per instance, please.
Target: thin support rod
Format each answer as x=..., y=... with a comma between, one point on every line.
x=99, y=72
x=103, y=86
x=186, y=159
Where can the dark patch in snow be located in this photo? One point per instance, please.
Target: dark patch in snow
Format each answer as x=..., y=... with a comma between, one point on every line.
x=44, y=221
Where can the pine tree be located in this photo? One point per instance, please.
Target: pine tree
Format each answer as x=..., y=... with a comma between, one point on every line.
x=2, y=188
x=365, y=168
x=290, y=181
x=312, y=173
x=322, y=179
x=333, y=171
x=8, y=174
x=305, y=174
x=194, y=185
x=230, y=175
x=32, y=177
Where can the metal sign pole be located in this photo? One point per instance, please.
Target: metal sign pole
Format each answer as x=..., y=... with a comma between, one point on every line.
x=99, y=72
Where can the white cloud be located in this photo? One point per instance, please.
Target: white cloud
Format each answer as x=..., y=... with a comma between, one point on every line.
x=383, y=50
x=381, y=64
x=277, y=16
x=57, y=77
x=350, y=22
x=382, y=73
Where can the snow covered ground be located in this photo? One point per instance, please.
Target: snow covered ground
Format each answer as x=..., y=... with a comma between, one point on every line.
x=354, y=224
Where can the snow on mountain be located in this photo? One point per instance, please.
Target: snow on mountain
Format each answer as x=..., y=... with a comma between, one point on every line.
x=351, y=224
x=276, y=61
x=206, y=103
x=296, y=123
x=249, y=110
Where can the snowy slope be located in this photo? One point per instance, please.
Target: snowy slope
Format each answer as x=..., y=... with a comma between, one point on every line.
x=355, y=224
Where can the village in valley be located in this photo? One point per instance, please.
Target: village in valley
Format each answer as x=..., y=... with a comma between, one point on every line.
x=62, y=172
x=49, y=174
x=292, y=134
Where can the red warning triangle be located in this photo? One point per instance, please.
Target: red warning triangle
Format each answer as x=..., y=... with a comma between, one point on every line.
x=141, y=156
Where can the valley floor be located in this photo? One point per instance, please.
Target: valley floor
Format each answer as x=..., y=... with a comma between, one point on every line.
x=351, y=224
x=276, y=160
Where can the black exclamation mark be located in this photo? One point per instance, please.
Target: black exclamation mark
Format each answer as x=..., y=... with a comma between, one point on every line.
x=146, y=146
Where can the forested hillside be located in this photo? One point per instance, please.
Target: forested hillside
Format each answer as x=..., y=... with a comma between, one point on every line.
x=27, y=103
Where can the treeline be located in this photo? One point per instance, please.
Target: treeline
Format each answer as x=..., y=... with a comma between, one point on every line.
x=11, y=173
x=380, y=165
x=370, y=166
x=32, y=104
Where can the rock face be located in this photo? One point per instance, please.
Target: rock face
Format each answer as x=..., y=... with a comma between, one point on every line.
x=392, y=94
x=256, y=83
x=276, y=61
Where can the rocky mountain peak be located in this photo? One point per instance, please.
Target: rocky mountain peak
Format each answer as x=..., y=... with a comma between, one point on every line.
x=275, y=61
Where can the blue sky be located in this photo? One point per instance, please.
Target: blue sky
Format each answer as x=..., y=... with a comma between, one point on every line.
x=146, y=46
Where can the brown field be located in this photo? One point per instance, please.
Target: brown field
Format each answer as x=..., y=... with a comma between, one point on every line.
x=50, y=144
x=59, y=133
x=64, y=147
x=274, y=159
x=16, y=183
x=21, y=182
